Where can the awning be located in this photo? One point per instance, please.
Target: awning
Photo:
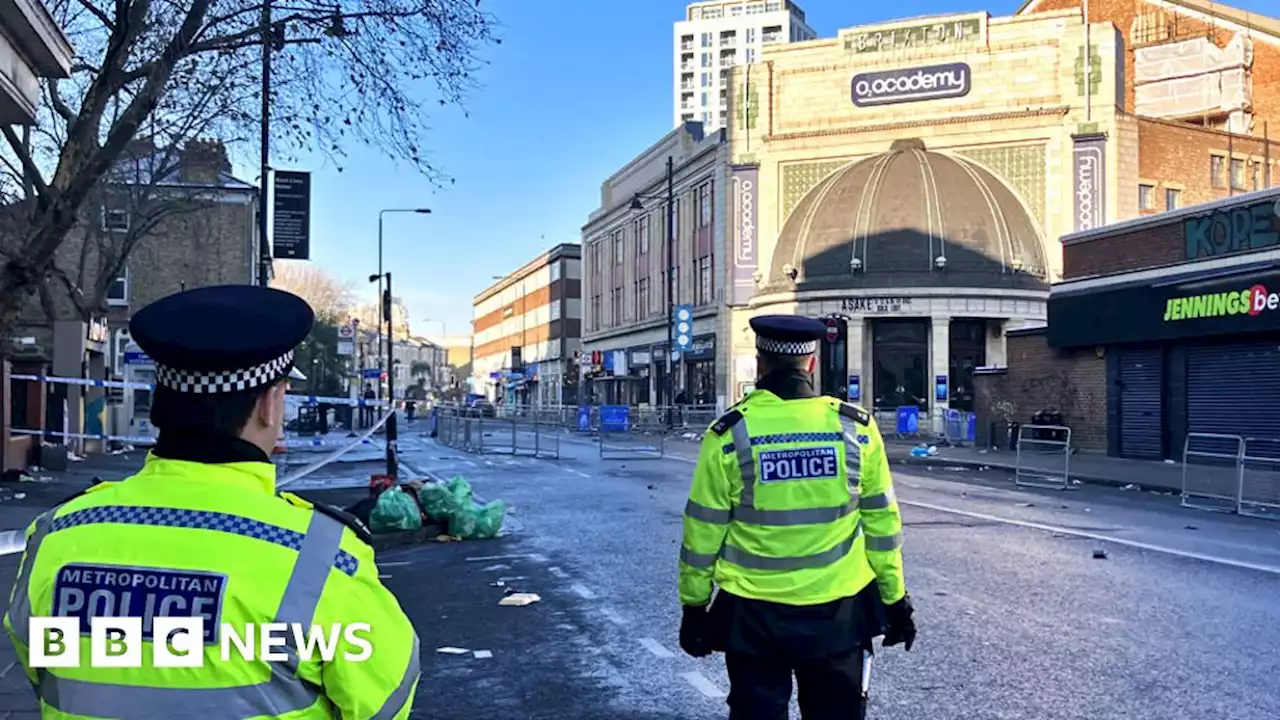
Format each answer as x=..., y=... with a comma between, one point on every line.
x=1240, y=299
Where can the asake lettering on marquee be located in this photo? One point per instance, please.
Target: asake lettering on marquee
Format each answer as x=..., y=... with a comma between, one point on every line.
x=820, y=463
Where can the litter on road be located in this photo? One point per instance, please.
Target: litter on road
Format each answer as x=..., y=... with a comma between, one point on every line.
x=519, y=599
x=453, y=651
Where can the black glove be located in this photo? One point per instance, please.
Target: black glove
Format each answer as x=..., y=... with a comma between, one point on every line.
x=899, y=628
x=693, y=632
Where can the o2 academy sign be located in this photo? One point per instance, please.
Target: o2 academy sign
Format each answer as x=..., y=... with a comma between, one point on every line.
x=890, y=87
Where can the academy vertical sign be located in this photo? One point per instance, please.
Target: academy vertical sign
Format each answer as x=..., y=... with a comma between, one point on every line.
x=744, y=180
x=1089, y=174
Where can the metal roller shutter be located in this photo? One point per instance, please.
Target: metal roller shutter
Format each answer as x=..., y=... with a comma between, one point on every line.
x=1234, y=389
x=1141, y=419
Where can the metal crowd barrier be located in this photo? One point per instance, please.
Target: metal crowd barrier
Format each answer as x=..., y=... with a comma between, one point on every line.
x=1031, y=440
x=1216, y=485
x=498, y=436
x=1259, y=494
x=944, y=426
x=631, y=443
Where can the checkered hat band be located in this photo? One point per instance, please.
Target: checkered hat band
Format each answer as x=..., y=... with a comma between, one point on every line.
x=779, y=347
x=213, y=383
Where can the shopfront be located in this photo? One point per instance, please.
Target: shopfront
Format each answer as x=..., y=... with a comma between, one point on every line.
x=700, y=371
x=1191, y=351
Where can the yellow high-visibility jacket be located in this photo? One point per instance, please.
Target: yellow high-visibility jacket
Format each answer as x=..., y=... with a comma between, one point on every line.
x=792, y=503
x=182, y=538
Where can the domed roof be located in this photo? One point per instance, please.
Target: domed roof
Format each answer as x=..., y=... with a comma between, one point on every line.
x=886, y=220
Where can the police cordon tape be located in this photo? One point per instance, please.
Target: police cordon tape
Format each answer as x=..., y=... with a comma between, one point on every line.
x=145, y=439
x=121, y=385
x=13, y=542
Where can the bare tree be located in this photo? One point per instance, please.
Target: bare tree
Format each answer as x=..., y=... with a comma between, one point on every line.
x=371, y=315
x=329, y=298
x=345, y=71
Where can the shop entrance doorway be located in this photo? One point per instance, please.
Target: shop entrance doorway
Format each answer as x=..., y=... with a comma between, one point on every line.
x=900, y=356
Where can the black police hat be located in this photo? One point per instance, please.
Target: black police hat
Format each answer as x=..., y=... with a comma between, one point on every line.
x=787, y=334
x=223, y=339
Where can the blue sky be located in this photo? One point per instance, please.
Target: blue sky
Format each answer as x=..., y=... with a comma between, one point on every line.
x=576, y=89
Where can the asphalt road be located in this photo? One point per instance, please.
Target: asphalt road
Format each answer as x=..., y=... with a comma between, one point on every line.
x=1018, y=619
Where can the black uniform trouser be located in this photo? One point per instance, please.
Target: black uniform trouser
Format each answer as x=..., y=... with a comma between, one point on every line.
x=830, y=688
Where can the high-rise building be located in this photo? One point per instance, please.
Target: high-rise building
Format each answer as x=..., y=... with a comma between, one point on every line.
x=714, y=36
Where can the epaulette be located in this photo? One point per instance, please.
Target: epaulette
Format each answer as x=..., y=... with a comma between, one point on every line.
x=342, y=516
x=855, y=413
x=725, y=422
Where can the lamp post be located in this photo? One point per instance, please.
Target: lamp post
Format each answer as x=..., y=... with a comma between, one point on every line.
x=392, y=466
x=390, y=335
x=670, y=198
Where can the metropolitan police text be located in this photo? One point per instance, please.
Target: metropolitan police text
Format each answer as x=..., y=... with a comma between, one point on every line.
x=179, y=641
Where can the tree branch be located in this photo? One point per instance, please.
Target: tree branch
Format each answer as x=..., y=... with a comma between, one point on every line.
x=30, y=172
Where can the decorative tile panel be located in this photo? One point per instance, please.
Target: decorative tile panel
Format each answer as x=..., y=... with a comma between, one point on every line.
x=799, y=178
x=1022, y=167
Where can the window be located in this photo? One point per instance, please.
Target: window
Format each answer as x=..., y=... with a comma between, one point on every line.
x=735, y=11
x=118, y=293
x=751, y=36
x=555, y=270
x=617, y=306
x=706, y=288
x=772, y=6
x=642, y=298
x=1217, y=165
x=706, y=60
x=727, y=37
x=772, y=34
x=1146, y=197
x=1257, y=176
x=751, y=55
x=642, y=235
x=115, y=220
x=704, y=99
x=706, y=40
x=687, y=117
x=706, y=79
x=1172, y=199
x=555, y=310
x=618, y=247
x=595, y=312
x=1237, y=174
x=122, y=340
x=703, y=199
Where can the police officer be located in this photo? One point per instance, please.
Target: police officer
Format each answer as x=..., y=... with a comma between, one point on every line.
x=200, y=530
x=792, y=515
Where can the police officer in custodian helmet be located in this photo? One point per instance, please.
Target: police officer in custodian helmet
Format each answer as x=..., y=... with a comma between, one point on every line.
x=792, y=515
x=201, y=531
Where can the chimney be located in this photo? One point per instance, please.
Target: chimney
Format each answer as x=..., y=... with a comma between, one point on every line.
x=202, y=161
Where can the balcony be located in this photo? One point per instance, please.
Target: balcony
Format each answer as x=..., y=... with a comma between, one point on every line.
x=31, y=47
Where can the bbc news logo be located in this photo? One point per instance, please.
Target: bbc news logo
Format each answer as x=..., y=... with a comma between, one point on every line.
x=180, y=642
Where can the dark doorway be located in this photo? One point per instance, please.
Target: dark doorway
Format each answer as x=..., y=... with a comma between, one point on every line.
x=968, y=351
x=900, y=356
x=833, y=354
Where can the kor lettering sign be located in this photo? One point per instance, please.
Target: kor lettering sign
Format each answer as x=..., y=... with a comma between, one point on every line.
x=745, y=257
x=1233, y=230
x=911, y=85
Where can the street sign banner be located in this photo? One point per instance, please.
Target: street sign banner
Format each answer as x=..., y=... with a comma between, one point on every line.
x=291, y=221
x=346, y=332
x=346, y=347
x=371, y=373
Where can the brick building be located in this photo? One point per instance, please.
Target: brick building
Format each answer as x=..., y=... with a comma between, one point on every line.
x=628, y=253
x=527, y=329
x=162, y=222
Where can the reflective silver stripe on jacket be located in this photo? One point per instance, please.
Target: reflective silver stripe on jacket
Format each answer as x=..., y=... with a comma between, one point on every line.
x=738, y=556
x=883, y=501
x=319, y=552
x=852, y=450
x=20, y=610
x=884, y=543
x=398, y=697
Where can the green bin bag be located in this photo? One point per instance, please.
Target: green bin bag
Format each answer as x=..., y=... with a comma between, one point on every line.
x=438, y=501
x=395, y=511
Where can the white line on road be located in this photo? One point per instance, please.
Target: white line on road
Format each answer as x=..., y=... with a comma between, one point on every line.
x=579, y=473
x=558, y=572
x=482, y=654
x=614, y=617
x=488, y=558
x=1244, y=565
x=656, y=648
x=394, y=563
x=702, y=684
x=582, y=591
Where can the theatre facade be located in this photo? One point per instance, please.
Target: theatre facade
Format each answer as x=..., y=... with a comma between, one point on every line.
x=907, y=182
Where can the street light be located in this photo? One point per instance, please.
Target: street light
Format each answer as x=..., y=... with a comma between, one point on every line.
x=392, y=468
x=670, y=198
x=390, y=334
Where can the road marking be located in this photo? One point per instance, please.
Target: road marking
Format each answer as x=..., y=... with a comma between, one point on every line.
x=382, y=576
x=579, y=473
x=702, y=684
x=614, y=617
x=558, y=573
x=1188, y=554
x=394, y=563
x=656, y=648
x=482, y=654
x=583, y=591
x=9, y=667
x=489, y=558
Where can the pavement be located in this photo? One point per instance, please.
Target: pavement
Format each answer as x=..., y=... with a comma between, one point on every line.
x=1093, y=604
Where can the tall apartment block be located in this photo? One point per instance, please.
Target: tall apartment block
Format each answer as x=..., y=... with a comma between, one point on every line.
x=714, y=36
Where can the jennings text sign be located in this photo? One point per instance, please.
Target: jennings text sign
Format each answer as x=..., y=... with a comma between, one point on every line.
x=745, y=179
x=890, y=87
x=1089, y=171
